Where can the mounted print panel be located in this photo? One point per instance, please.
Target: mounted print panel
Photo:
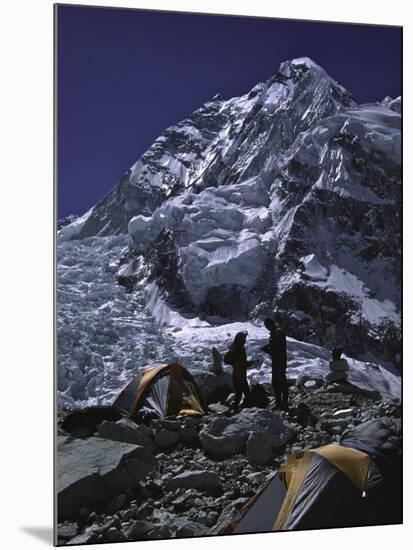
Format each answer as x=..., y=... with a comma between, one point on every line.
x=228, y=275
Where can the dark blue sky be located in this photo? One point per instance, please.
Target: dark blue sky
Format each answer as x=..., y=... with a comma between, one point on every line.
x=126, y=75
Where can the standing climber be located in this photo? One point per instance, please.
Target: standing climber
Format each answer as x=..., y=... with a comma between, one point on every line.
x=277, y=349
x=236, y=356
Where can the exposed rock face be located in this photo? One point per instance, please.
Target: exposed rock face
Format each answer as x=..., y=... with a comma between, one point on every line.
x=91, y=471
x=224, y=437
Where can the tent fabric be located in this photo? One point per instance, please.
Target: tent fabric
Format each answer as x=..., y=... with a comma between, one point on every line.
x=148, y=378
x=163, y=390
x=327, y=498
x=352, y=462
x=295, y=469
x=126, y=397
x=262, y=511
x=331, y=486
x=157, y=397
x=309, y=478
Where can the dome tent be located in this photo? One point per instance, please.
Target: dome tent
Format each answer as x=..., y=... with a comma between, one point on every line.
x=160, y=390
x=352, y=484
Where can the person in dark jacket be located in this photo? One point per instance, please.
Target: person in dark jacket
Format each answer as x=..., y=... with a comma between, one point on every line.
x=277, y=350
x=236, y=356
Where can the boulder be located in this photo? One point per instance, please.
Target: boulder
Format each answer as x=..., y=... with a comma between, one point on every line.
x=191, y=529
x=223, y=437
x=90, y=472
x=214, y=387
x=218, y=408
x=311, y=385
x=188, y=434
x=138, y=529
x=202, y=480
x=167, y=424
x=67, y=531
x=166, y=438
x=302, y=380
x=89, y=536
x=125, y=430
x=259, y=449
x=113, y=535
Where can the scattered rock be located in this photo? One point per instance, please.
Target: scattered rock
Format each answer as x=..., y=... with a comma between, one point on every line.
x=302, y=380
x=199, y=479
x=330, y=424
x=113, y=535
x=348, y=388
x=343, y=413
x=336, y=377
x=218, y=408
x=138, y=529
x=188, y=434
x=166, y=438
x=89, y=536
x=259, y=448
x=224, y=437
x=67, y=531
x=228, y=514
x=167, y=504
x=311, y=384
x=191, y=529
x=161, y=532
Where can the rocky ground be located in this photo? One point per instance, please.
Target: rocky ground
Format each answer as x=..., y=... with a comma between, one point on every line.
x=202, y=471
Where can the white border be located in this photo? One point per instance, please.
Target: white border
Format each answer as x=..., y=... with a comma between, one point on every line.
x=27, y=270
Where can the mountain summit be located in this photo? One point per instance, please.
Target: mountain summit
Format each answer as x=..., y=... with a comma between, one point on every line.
x=224, y=141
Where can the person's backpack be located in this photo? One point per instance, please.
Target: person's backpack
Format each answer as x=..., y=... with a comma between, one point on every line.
x=257, y=397
x=228, y=358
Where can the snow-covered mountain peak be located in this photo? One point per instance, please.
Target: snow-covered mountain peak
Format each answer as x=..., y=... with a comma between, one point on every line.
x=294, y=68
x=223, y=142
x=226, y=207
